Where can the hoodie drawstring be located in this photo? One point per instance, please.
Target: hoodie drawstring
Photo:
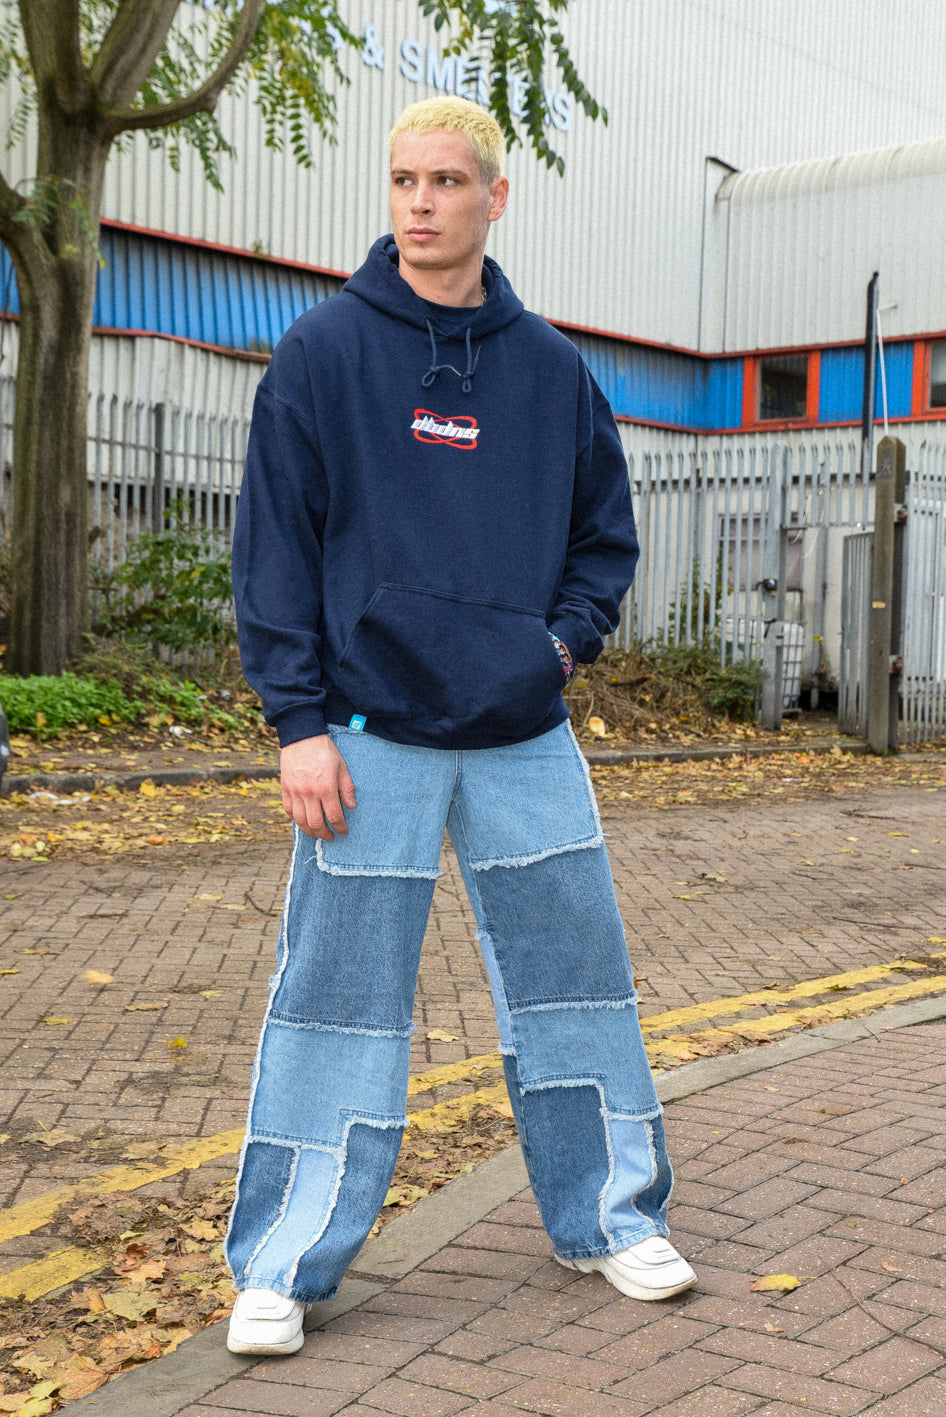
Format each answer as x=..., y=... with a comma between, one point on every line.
x=466, y=378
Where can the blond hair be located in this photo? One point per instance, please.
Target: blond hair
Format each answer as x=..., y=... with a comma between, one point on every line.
x=458, y=115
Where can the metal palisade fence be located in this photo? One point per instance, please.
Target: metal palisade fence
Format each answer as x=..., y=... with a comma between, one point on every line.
x=754, y=548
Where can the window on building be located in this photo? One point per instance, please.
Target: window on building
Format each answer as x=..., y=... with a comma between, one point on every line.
x=938, y=374
x=783, y=387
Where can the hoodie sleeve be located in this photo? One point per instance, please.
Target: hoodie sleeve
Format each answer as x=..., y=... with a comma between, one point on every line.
x=277, y=551
x=602, y=544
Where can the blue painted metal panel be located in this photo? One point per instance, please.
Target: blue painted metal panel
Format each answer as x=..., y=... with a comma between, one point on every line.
x=842, y=383
x=233, y=302
x=663, y=385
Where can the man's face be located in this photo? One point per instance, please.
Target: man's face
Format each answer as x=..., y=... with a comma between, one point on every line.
x=441, y=208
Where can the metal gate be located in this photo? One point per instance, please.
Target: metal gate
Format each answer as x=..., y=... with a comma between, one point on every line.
x=856, y=572
x=923, y=685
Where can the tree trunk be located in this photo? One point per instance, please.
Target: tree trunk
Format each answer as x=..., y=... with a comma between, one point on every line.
x=56, y=279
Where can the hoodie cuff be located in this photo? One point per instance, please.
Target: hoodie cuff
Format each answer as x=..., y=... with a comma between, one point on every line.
x=583, y=648
x=304, y=721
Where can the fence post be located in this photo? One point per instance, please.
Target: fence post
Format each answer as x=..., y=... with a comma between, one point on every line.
x=157, y=481
x=772, y=588
x=885, y=613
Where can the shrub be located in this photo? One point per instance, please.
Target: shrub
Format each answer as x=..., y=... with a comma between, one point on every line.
x=172, y=590
x=46, y=703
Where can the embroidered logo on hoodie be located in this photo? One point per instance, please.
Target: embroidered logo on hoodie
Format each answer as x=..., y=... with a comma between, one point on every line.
x=459, y=432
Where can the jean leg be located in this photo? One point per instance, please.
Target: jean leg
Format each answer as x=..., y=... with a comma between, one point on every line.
x=577, y=1072
x=327, y=1107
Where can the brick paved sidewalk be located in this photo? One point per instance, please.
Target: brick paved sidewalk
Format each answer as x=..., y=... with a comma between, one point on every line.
x=829, y=1167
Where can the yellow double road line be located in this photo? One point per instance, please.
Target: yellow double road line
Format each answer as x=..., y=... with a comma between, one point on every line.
x=67, y=1265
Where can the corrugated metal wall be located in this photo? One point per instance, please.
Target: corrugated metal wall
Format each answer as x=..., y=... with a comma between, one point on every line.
x=804, y=240
x=617, y=244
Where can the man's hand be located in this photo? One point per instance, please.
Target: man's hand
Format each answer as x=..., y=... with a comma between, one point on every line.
x=316, y=785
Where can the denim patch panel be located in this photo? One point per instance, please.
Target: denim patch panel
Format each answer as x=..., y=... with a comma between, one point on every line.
x=499, y=830
x=397, y=827
x=570, y=1045
x=312, y=1083
x=567, y=1157
x=556, y=924
x=351, y=948
x=640, y=1180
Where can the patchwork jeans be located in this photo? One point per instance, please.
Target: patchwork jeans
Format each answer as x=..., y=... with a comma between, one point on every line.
x=329, y=1084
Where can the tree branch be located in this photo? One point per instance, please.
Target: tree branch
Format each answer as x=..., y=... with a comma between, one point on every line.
x=201, y=100
x=51, y=31
x=134, y=39
x=10, y=200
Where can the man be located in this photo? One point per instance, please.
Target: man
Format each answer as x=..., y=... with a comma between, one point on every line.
x=434, y=527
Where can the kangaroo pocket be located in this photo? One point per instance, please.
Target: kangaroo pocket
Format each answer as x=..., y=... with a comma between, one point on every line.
x=461, y=667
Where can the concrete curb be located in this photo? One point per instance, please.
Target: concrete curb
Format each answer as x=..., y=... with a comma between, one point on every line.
x=597, y=757
x=201, y=1364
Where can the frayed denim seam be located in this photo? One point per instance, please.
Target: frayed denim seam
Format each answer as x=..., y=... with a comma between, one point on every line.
x=545, y=1084
x=275, y=980
x=361, y=868
x=382, y=1121
x=283, y=1207
x=583, y=844
x=545, y=1005
x=592, y=799
x=295, y=1144
x=498, y=990
x=357, y=1030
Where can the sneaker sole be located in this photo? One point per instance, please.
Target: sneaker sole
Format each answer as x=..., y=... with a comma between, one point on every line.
x=291, y=1345
x=627, y=1287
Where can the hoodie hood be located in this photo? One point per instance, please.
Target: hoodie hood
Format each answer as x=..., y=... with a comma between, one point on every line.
x=379, y=283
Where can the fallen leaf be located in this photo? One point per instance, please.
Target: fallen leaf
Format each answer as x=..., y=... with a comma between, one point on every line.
x=80, y=1377
x=438, y=1035
x=130, y=1304
x=767, y=1087
x=775, y=1283
x=9, y=971
x=597, y=727
x=177, y=1042
x=52, y=1136
x=210, y=993
x=97, y=976
x=200, y=1229
x=157, y=840
x=148, y=789
x=405, y=1195
x=774, y=1328
x=150, y=1269
x=93, y=1300
x=52, y=1019
x=891, y=1267
x=145, y=1008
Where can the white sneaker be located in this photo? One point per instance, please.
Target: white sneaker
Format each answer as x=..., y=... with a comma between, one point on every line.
x=651, y=1269
x=264, y=1322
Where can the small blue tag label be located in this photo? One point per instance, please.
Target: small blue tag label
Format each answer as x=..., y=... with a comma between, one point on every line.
x=357, y=722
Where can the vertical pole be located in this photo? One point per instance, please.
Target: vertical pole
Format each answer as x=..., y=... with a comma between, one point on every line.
x=891, y=475
x=870, y=381
x=157, y=479
x=772, y=588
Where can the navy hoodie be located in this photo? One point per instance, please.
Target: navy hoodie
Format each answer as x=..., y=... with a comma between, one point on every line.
x=428, y=492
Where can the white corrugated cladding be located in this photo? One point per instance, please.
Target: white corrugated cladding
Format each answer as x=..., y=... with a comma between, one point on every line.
x=617, y=243
x=804, y=240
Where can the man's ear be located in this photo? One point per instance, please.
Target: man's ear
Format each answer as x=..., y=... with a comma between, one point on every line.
x=498, y=191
